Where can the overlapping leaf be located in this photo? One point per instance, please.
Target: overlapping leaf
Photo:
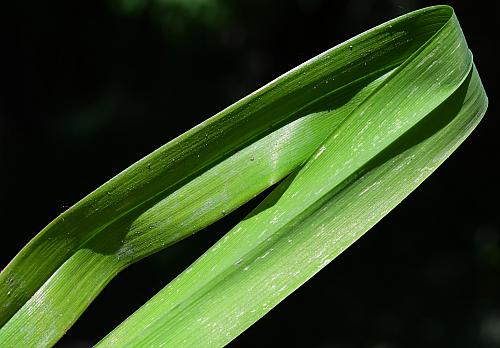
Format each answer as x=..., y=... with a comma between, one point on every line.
x=359, y=126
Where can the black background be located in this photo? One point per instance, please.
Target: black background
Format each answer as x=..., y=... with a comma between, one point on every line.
x=90, y=87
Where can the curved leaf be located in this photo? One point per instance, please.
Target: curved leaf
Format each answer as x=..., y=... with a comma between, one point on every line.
x=360, y=126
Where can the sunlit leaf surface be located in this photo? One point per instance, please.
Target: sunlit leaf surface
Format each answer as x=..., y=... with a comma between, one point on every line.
x=349, y=134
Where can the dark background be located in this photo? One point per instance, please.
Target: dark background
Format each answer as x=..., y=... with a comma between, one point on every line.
x=90, y=87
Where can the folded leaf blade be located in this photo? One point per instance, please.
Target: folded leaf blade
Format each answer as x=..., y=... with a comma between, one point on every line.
x=370, y=119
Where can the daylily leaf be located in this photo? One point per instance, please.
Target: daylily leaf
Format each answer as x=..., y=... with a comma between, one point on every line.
x=359, y=127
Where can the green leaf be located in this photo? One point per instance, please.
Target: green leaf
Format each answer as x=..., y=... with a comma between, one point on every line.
x=359, y=126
